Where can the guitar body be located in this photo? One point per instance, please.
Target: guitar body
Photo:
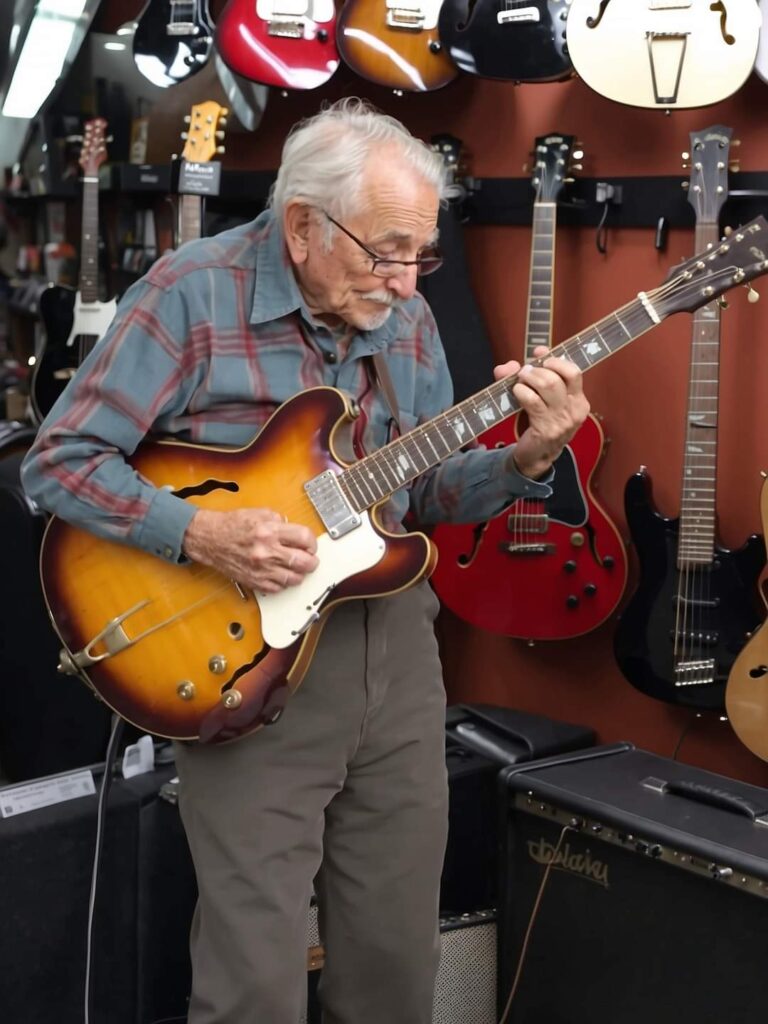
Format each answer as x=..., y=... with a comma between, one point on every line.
x=289, y=51
x=188, y=639
x=172, y=42
x=761, y=62
x=515, y=40
x=664, y=53
x=545, y=570
x=396, y=48
x=71, y=326
x=720, y=614
x=746, y=693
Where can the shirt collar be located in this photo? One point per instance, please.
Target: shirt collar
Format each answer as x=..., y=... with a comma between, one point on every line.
x=277, y=293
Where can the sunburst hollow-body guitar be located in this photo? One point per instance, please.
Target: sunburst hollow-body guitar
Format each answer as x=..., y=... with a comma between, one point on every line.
x=183, y=651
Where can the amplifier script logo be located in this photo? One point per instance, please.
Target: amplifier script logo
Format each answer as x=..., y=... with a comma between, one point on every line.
x=583, y=864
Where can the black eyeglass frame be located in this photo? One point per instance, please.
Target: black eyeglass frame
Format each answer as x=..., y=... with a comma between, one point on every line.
x=424, y=266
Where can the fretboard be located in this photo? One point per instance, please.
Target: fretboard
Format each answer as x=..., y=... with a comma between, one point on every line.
x=89, y=242
x=377, y=476
x=190, y=218
x=696, y=543
x=538, y=328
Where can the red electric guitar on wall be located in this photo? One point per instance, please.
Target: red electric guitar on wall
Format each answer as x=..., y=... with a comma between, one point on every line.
x=542, y=570
x=290, y=44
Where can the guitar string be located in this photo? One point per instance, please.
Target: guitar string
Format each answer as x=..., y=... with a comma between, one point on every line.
x=202, y=574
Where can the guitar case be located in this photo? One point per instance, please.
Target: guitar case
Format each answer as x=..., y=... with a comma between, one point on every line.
x=48, y=722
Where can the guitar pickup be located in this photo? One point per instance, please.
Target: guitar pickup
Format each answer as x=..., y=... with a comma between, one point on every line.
x=522, y=15
x=402, y=17
x=182, y=28
x=331, y=504
x=699, y=639
x=517, y=523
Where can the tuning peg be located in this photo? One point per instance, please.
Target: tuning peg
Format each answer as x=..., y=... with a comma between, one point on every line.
x=722, y=302
x=685, y=185
x=219, y=135
x=185, y=135
x=225, y=111
x=686, y=156
x=577, y=167
x=752, y=295
x=735, y=142
x=220, y=149
x=223, y=122
x=734, y=166
x=569, y=181
x=187, y=119
x=578, y=154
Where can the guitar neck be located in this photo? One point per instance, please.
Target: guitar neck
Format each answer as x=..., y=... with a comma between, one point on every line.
x=89, y=242
x=190, y=224
x=538, y=327
x=377, y=476
x=697, y=513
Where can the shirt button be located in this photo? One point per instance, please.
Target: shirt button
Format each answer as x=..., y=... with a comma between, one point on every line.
x=330, y=357
x=168, y=551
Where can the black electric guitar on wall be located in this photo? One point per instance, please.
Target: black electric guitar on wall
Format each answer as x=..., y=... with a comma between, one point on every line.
x=696, y=602
x=173, y=40
x=74, y=321
x=515, y=40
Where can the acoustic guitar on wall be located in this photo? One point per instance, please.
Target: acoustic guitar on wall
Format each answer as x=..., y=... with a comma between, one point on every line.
x=664, y=54
x=551, y=569
x=695, y=603
x=183, y=651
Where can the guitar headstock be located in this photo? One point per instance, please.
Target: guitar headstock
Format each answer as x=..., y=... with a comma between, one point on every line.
x=553, y=163
x=205, y=132
x=738, y=259
x=93, y=152
x=454, y=157
x=709, y=163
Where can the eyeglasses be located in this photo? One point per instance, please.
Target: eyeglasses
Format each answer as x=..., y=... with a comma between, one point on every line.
x=427, y=263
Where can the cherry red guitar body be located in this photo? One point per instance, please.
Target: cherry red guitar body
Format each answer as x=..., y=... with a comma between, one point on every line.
x=542, y=570
x=291, y=51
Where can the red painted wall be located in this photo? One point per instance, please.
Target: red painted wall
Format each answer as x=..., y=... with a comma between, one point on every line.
x=641, y=393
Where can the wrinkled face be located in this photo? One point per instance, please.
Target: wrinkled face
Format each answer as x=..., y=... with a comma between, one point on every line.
x=396, y=219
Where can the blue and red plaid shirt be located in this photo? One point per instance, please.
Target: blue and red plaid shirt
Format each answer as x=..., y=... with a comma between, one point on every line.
x=204, y=348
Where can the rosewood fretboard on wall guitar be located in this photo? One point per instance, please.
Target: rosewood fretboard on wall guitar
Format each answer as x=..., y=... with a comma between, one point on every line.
x=542, y=570
x=696, y=603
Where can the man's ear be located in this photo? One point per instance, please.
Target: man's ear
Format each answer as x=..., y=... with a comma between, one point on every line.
x=297, y=221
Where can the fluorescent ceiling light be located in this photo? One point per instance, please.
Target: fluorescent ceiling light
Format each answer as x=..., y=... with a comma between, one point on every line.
x=41, y=60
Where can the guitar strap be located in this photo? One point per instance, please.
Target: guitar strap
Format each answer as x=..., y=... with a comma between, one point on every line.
x=378, y=371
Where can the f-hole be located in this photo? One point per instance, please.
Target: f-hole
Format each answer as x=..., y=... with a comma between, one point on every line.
x=594, y=22
x=720, y=7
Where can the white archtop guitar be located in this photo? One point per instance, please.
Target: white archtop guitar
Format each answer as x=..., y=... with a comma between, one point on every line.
x=664, y=53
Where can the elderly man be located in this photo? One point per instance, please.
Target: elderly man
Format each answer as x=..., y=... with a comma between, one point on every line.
x=349, y=788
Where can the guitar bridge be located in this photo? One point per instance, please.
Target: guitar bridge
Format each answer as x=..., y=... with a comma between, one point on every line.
x=286, y=29
x=527, y=549
x=695, y=673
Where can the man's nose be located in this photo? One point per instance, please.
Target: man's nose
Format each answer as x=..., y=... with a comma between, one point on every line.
x=404, y=283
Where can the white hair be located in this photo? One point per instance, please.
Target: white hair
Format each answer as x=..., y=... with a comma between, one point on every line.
x=324, y=156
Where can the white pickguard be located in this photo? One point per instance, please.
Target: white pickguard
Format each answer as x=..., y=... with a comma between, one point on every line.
x=91, y=318
x=686, y=39
x=320, y=11
x=285, y=615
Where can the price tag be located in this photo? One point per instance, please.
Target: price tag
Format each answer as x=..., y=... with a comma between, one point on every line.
x=44, y=792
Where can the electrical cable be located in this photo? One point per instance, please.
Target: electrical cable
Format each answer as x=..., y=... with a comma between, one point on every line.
x=114, y=739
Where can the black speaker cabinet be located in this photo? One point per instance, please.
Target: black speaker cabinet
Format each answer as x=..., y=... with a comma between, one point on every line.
x=656, y=904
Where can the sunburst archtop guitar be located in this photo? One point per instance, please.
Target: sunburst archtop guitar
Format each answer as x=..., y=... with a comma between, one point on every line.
x=183, y=651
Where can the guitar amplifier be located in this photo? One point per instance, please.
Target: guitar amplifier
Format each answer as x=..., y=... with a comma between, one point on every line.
x=651, y=879
x=465, y=989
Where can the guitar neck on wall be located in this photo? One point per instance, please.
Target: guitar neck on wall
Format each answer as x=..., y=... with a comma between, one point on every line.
x=74, y=321
x=664, y=54
x=695, y=602
x=203, y=139
x=542, y=570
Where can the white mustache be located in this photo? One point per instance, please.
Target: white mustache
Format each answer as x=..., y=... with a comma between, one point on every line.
x=383, y=296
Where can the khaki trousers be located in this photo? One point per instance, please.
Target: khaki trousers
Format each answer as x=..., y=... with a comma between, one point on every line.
x=349, y=789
